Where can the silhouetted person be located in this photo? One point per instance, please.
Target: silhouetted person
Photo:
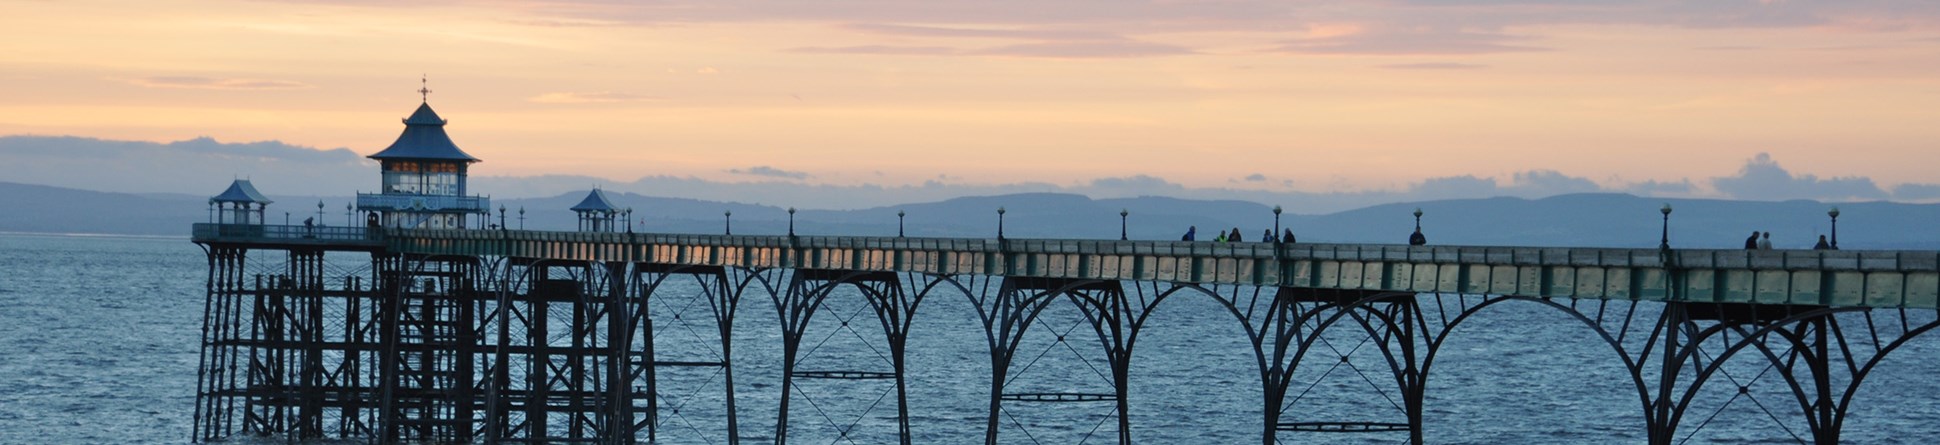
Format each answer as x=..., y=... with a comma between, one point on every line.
x=1267, y=236
x=1752, y=242
x=1191, y=232
x=1288, y=237
x=1417, y=239
x=1765, y=243
x=1822, y=245
x=1234, y=237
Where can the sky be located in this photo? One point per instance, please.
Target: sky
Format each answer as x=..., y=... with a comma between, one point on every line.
x=1647, y=97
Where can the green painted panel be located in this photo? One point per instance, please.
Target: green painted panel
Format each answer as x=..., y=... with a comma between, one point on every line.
x=1562, y=281
x=1885, y=289
x=1350, y=274
x=1773, y=286
x=1807, y=287
x=1475, y=279
x=1700, y=285
x=1620, y=284
x=1228, y=270
x=1923, y=289
x=1529, y=280
x=1329, y=274
x=1735, y=285
x=1590, y=283
x=1373, y=276
x=1400, y=276
x=1502, y=280
x=1448, y=278
x=1848, y=288
x=1649, y=283
x=1303, y=274
x=1426, y=277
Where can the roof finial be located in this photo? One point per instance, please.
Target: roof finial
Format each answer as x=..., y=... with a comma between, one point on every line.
x=424, y=88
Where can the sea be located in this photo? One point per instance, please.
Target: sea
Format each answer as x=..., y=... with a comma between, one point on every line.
x=99, y=342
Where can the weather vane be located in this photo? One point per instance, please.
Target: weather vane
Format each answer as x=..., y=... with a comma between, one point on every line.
x=424, y=88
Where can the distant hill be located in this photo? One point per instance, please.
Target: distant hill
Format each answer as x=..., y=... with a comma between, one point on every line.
x=1606, y=220
x=35, y=208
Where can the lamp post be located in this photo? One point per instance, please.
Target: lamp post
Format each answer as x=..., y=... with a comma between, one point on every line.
x=728, y=229
x=629, y=220
x=501, y=217
x=899, y=223
x=1000, y=223
x=1417, y=219
x=1664, y=241
x=1122, y=214
x=348, y=219
x=286, y=218
x=521, y=217
x=1834, y=213
x=1276, y=225
x=319, y=212
x=791, y=221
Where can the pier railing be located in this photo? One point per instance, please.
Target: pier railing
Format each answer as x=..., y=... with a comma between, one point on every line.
x=1805, y=277
x=1808, y=277
x=287, y=234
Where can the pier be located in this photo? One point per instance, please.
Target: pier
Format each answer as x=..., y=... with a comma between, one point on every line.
x=431, y=324
x=517, y=336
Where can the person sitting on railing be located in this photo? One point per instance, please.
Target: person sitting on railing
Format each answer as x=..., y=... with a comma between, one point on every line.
x=1191, y=232
x=1417, y=239
x=1822, y=245
x=1288, y=237
x=310, y=227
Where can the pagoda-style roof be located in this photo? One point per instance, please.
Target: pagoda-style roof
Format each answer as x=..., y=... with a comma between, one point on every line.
x=242, y=191
x=424, y=138
x=595, y=202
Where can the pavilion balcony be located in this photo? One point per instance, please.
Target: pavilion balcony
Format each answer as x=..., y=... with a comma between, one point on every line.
x=422, y=203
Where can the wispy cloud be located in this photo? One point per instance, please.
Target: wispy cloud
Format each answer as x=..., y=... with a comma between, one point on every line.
x=1080, y=50
x=939, y=31
x=594, y=97
x=763, y=170
x=1434, y=66
x=1063, y=50
x=893, y=50
x=213, y=83
x=1408, y=42
x=567, y=22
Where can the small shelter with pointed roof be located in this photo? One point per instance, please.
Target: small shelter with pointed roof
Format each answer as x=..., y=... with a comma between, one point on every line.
x=424, y=179
x=232, y=206
x=598, y=214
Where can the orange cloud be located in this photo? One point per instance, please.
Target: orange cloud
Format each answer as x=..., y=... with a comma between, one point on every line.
x=210, y=83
